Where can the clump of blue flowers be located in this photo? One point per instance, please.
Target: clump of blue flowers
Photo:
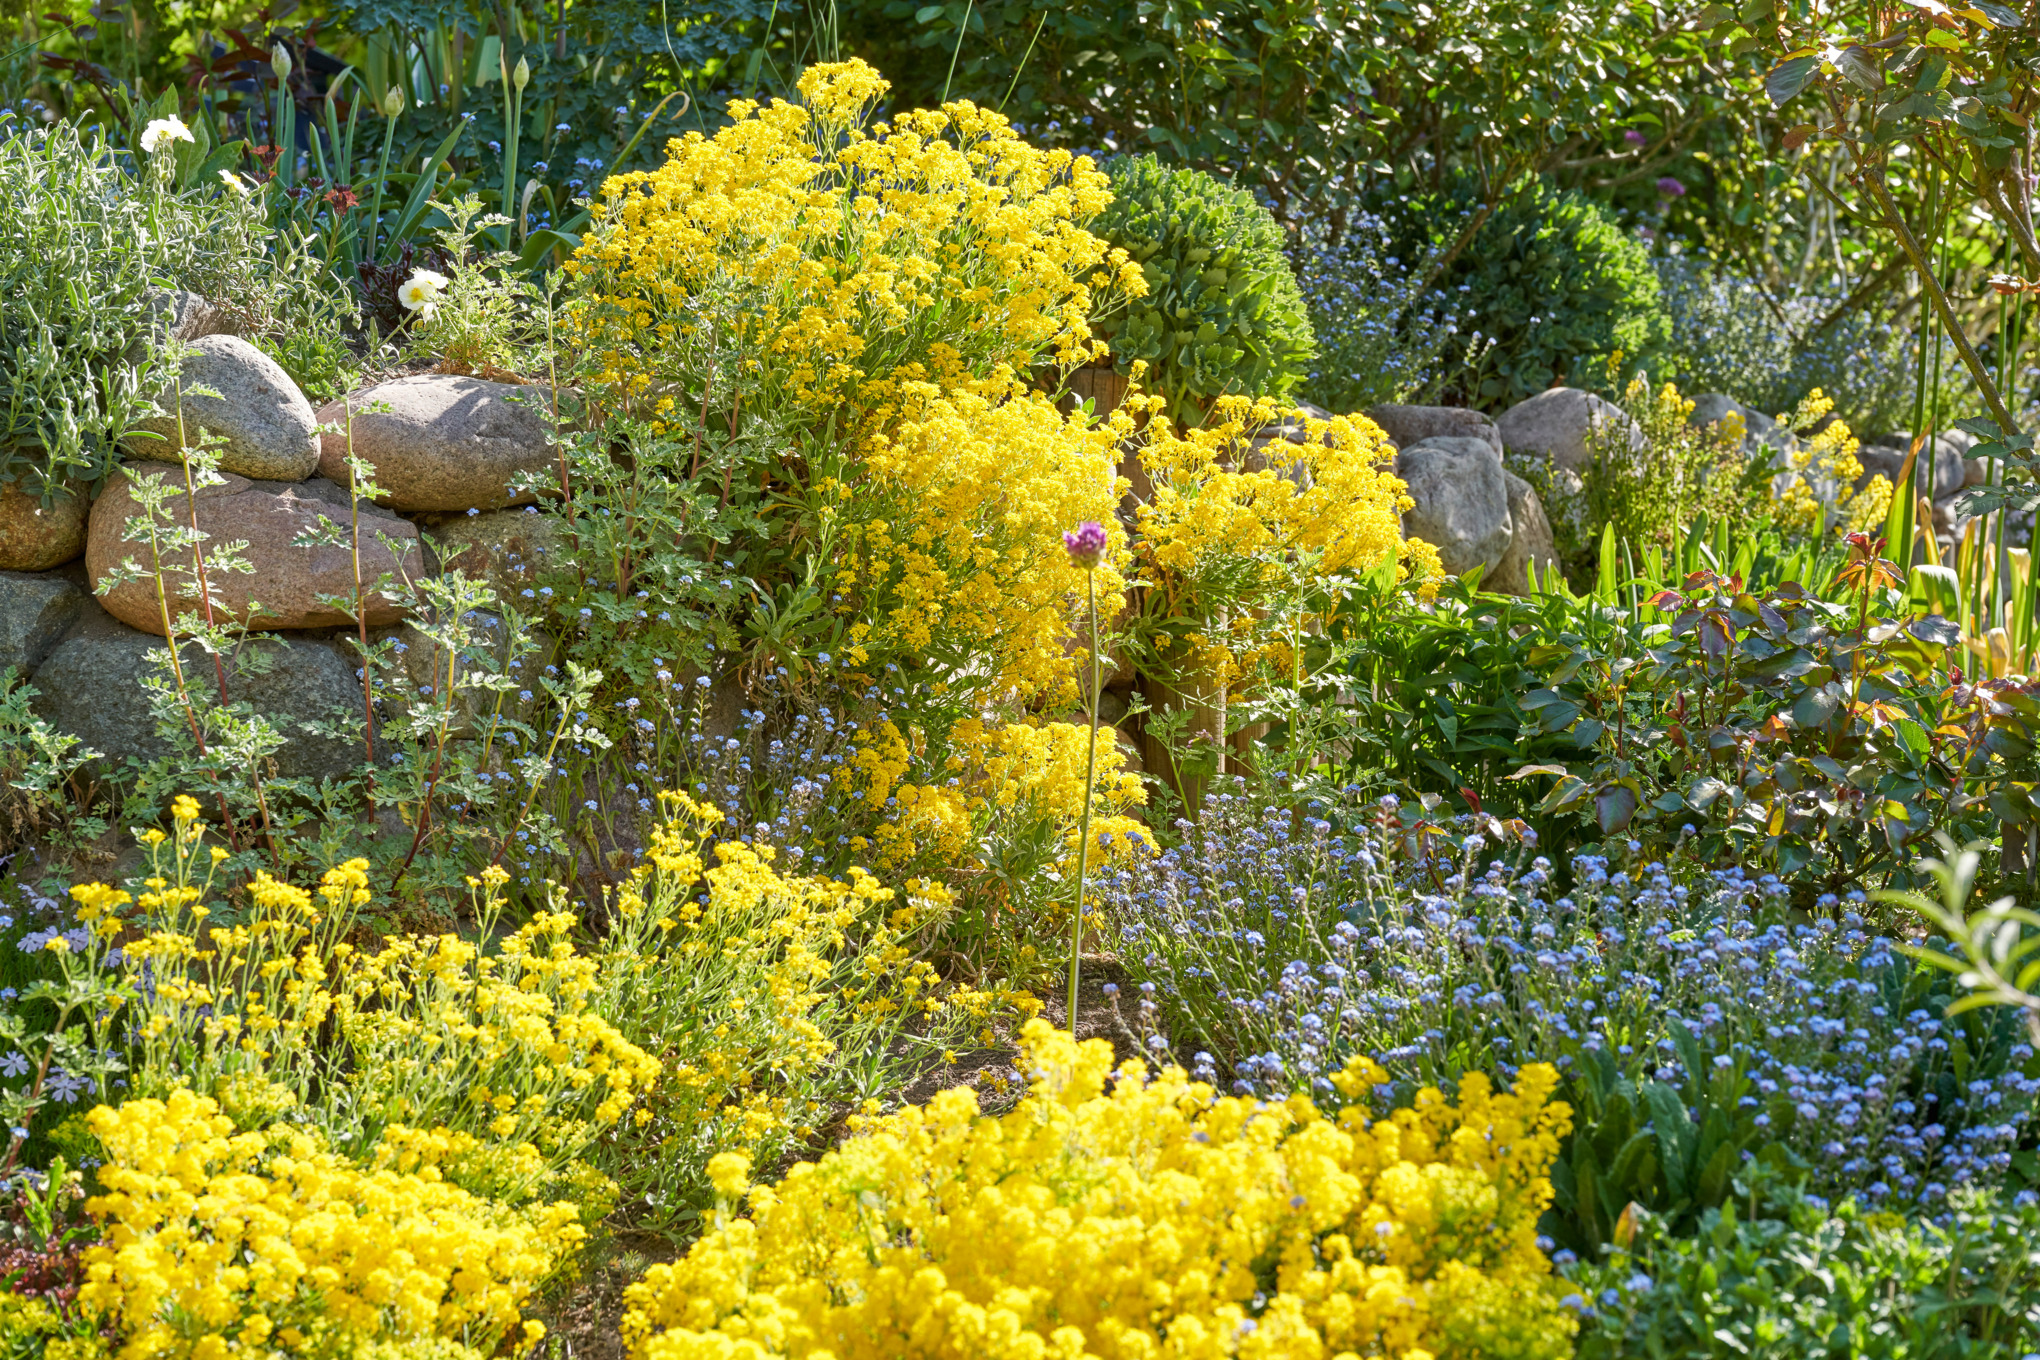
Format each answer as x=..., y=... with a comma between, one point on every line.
x=1769, y=348
x=1382, y=321
x=1278, y=945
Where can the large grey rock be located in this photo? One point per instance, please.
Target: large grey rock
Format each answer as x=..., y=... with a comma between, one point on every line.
x=1945, y=455
x=1557, y=423
x=1462, y=501
x=35, y=611
x=1407, y=425
x=1531, y=542
x=265, y=421
x=36, y=537
x=440, y=441
x=92, y=687
x=273, y=520
x=184, y=315
x=509, y=549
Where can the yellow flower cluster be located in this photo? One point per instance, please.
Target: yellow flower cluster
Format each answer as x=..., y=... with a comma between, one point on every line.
x=32, y=1330
x=1151, y=1220
x=957, y=552
x=889, y=289
x=220, y=1244
x=1028, y=774
x=277, y=1014
x=762, y=989
x=842, y=259
x=1227, y=528
x=1829, y=455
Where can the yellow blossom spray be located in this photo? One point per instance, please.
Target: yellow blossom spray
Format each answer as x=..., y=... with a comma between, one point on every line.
x=1086, y=547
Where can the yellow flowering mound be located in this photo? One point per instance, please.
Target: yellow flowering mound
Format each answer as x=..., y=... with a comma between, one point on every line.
x=1149, y=1220
x=841, y=259
x=506, y=1051
x=1227, y=529
x=221, y=1244
x=884, y=292
x=1028, y=774
x=765, y=992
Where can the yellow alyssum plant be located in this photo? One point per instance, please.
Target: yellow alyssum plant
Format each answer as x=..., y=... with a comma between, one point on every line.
x=880, y=297
x=1150, y=1220
x=769, y=996
x=1222, y=532
x=939, y=248
x=505, y=1052
x=1829, y=455
x=217, y=1244
x=1023, y=776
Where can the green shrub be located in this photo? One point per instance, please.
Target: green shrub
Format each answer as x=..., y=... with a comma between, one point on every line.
x=1223, y=315
x=76, y=274
x=1552, y=286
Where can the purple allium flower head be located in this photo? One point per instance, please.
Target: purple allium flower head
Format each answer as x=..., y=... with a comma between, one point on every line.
x=1086, y=545
x=1634, y=137
x=1671, y=188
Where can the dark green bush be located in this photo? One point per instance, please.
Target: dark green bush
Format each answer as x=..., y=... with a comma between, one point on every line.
x=1223, y=315
x=1548, y=288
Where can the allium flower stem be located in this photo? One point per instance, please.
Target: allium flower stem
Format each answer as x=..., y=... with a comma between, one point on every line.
x=1084, y=819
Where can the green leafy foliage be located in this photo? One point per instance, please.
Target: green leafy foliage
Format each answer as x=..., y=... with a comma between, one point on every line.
x=1300, y=101
x=1775, y=1273
x=1819, y=739
x=77, y=276
x=1223, y=315
x=1640, y=1140
x=1553, y=285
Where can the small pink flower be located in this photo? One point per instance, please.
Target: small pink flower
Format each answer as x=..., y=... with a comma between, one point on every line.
x=1086, y=545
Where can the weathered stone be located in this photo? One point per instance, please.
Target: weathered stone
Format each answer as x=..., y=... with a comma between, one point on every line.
x=1531, y=543
x=37, y=537
x=1557, y=423
x=509, y=549
x=1407, y=425
x=440, y=441
x=35, y=611
x=265, y=421
x=284, y=588
x=91, y=686
x=1978, y=472
x=184, y=315
x=1462, y=501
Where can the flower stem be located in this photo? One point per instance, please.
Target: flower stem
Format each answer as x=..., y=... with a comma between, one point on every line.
x=1084, y=822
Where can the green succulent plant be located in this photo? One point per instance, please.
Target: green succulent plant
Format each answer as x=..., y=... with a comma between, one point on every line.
x=1222, y=315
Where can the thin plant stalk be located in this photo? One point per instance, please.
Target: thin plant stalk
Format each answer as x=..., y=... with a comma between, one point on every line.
x=370, y=248
x=1084, y=820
